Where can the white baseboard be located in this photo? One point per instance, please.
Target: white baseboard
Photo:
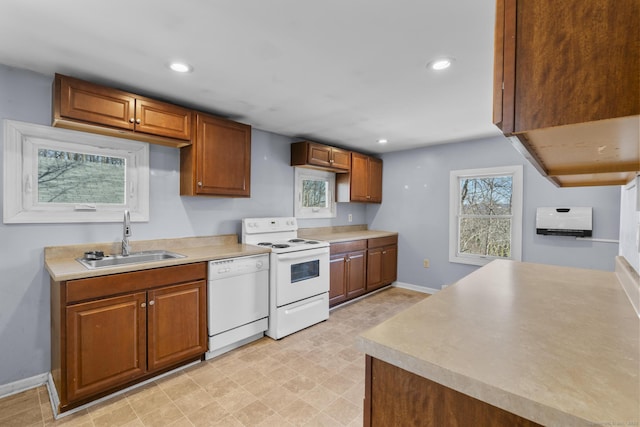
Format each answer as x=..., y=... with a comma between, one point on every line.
x=19, y=386
x=417, y=288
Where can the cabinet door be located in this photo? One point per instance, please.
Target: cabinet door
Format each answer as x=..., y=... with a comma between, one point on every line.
x=356, y=270
x=374, y=268
x=389, y=264
x=375, y=180
x=340, y=159
x=160, y=118
x=80, y=100
x=566, y=62
x=338, y=279
x=223, y=163
x=105, y=344
x=177, y=324
x=319, y=155
x=359, y=177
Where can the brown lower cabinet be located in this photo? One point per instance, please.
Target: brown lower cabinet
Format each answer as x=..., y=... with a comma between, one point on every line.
x=382, y=261
x=395, y=397
x=361, y=266
x=347, y=270
x=112, y=331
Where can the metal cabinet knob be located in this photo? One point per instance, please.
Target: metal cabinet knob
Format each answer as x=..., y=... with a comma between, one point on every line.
x=199, y=183
x=143, y=305
x=138, y=121
x=131, y=120
x=152, y=302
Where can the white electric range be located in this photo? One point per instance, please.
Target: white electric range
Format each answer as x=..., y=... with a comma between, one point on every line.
x=299, y=274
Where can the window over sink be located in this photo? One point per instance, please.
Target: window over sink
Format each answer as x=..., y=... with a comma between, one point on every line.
x=55, y=175
x=314, y=193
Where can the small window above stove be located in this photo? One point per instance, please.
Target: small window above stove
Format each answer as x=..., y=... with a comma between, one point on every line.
x=314, y=194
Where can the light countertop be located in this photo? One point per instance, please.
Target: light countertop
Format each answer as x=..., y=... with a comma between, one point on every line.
x=343, y=233
x=60, y=261
x=556, y=345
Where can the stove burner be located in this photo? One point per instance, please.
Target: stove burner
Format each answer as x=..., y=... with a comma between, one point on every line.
x=311, y=242
x=296, y=240
x=280, y=246
x=265, y=244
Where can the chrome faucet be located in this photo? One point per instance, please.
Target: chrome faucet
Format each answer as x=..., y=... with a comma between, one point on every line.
x=126, y=233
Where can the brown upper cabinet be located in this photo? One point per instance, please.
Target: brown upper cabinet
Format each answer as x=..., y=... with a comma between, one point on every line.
x=218, y=163
x=319, y=156
x=566, y=87
x=89, y=107
x=363, y=183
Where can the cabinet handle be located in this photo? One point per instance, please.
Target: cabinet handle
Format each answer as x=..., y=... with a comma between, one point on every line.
x=152, y=302
x=138, y=121
x=131, y=120
x=199, y=183
x=384, y=252
x=143, y=305
x=331, y=161
x=368, y=197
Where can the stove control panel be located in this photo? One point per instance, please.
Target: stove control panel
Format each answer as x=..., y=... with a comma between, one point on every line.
x=269, y=225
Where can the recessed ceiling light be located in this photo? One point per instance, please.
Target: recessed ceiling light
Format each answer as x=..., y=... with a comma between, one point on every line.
x=382, y=141
x=181, y=67
x=440, y=63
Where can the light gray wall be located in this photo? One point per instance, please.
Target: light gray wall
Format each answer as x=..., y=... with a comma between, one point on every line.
x=416, y=204
x=24, y=283
x=418, y=211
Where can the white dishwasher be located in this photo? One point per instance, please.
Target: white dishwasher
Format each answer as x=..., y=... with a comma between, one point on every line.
x=238, y=309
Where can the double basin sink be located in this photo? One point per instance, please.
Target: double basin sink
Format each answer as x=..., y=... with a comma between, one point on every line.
x=132, y=258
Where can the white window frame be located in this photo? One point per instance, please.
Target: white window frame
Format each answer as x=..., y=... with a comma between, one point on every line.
x=21, y=144
x=454, y=212
x=304, y=212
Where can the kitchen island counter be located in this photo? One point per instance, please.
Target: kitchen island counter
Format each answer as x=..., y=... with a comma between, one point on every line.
x=61, y=263
x=554, y=345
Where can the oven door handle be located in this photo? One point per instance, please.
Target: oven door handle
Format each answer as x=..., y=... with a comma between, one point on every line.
x=302, y=254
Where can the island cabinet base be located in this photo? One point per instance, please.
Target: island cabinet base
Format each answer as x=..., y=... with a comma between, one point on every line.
x=395, y=397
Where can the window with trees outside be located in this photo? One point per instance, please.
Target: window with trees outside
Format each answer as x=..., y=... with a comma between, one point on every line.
x=57, y=175
x=485, y=215
x=314, y=193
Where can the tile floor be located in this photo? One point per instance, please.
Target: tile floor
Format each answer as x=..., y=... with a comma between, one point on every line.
x=314, y=377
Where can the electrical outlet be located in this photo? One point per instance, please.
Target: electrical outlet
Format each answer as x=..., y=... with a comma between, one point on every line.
x=425, y=263
x=350, y=218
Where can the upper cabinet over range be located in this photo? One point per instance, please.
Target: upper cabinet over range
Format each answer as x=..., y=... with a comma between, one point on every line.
x=566, y=87
x=320, y=156
x=358, y=176
x=89, y=107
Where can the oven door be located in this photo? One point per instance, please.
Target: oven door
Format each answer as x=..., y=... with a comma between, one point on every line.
x=301, y=274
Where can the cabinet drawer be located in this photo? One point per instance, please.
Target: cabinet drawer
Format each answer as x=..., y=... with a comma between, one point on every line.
x=382, y=241
x=353, y=245
x=113, y=284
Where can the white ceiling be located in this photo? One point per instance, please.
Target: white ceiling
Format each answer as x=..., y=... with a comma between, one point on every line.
x=344, y=72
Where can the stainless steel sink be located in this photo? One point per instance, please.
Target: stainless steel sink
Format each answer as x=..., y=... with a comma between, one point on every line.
x=132, y=258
